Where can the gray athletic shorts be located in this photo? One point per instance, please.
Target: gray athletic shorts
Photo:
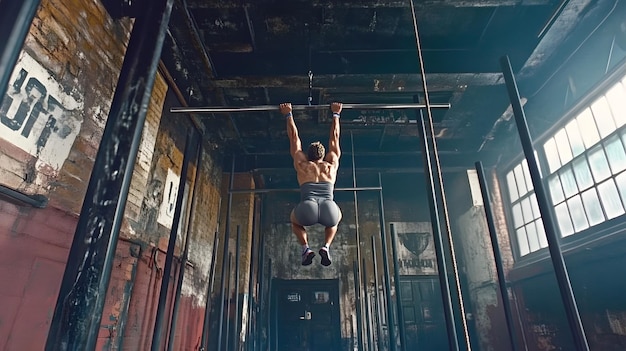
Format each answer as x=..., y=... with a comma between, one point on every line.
x=317, y=205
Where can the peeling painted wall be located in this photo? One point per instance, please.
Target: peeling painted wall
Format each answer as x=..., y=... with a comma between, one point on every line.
x=52, y=120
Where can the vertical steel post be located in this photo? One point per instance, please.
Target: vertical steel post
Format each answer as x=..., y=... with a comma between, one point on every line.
x=225, y=253
x=357, y=284
x=76, y=320
x=383, y=236
x=442, y=267
x=506, y=302
x=262, y=303
x=379, y=329
x=357, y=304
x=366, y=302
x=436, y=168
x=183, y=261
x=253, y=255
x=171, y=246
x=207, y=309
x=549, y=223
x=230, y=266
x=237, y=275
x=15, y=20
x=269, y=307
x=396, y=279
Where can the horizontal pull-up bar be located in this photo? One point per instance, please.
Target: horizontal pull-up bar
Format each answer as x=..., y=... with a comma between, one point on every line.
x=303, y=108
x=259, y=191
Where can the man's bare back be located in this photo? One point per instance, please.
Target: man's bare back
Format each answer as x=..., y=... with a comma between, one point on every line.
x=319, y=171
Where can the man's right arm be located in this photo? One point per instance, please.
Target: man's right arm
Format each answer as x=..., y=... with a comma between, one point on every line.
x=295, y=145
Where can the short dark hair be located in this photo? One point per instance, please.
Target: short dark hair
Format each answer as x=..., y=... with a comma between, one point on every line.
x=316, y=151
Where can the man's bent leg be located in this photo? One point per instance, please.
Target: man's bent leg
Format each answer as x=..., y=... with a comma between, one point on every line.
x=329, y=235
x=300, y=232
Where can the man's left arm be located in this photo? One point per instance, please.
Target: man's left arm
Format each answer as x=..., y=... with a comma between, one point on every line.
x=333, y=143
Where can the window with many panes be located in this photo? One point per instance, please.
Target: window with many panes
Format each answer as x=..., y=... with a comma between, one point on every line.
x=529, y=233
x=586, y=174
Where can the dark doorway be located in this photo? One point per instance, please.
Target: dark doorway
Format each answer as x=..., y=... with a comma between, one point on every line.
x=422, y=307
x=306, y=315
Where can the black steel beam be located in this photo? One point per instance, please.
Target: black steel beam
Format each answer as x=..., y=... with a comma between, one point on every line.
x=493, y=234
x=379, y=326
x=386, y=274
x=396, y=279
x=225, y=253
x=15, y=20
x=76, y=320
x=183, y=260
x=237, y=275
x=545, y=208
x=207, y=306
x=171, y=246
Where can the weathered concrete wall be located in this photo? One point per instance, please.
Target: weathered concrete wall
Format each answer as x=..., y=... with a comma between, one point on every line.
x=476, y=260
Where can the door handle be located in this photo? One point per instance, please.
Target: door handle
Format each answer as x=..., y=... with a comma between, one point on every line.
x=307, y=316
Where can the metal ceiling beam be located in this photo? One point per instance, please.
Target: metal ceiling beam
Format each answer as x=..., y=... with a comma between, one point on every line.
x=366, y=82
x=373, y=3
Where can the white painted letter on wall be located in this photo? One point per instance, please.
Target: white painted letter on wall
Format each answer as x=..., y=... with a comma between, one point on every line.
x=37, y=116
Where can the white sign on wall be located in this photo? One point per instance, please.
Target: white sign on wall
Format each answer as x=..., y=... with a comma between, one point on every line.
x=38, y=116
x=168, y=205
x=416, y=250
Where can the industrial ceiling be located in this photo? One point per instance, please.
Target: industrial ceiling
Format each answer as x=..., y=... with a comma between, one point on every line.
x=264, y=52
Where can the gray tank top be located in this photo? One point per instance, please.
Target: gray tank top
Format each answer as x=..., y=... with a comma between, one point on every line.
x=316, y=191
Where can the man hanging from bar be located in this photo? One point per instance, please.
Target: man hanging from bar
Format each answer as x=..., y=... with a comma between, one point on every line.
x=316, y=174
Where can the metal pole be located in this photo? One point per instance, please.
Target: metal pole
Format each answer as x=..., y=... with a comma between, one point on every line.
x=207, y=309
x=357, y=304
x=237, y=323
x=229, y=109
x=262, y=304
x=35, y=200
x=442, y=267
x=396, y=279
x=437, y=169
x=383, y=236
x=268, y=339
x=506, y=303
x=549, y=223
x=230, y=264
x=368, y=317
x=225, y=254
x=379, y=329
x=75, y=324
x=357, y=283
x=169, y=255
x=253, y=250
x=15, y=20
x=263, y=191
x=183, y=260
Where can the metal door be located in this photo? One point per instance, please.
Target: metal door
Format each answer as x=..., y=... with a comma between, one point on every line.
x=424, y=322
x=307, y=315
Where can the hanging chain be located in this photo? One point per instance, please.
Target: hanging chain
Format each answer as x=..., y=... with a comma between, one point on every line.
x=310, y=87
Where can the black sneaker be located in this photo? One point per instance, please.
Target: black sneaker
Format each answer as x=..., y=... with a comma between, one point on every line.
x=325, y=256
x=307, y=257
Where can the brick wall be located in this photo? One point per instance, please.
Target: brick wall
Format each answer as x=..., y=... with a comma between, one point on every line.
x=72, y=58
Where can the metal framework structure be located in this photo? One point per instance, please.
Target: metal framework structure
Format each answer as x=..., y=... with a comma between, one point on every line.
x=275, y=108
x=264, y=191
